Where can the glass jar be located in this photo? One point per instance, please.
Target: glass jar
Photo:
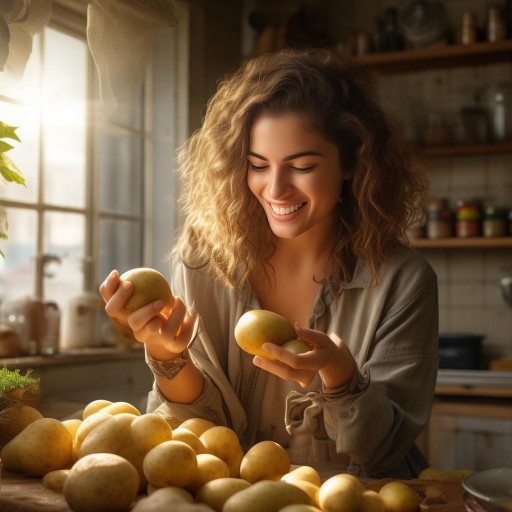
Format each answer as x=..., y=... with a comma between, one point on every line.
x=494, y=222
x=468, y=219
x=439, y=219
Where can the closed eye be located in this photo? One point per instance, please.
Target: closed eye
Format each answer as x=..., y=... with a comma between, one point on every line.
x=303, y=169
x=254, y=167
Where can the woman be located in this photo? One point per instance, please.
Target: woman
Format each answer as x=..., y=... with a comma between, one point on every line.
x=297, y=200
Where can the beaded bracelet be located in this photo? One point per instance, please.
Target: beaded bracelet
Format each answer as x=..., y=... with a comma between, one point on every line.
x=168, y=369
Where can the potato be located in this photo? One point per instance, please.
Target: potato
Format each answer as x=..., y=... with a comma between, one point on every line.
x=54, y=480
x=182, y=493
x=42, y=446
x=110, y=436
x=215, y=492
x=310, y=489
x=101, y=482
x=266, y=460
x=121, y=407
x=307, y=473
x=224, y=443
x=94, y=406
x=197, y=425
x=300, y=508
x=209, y=467
x=72, y=425
x=16, y=418
x=149, y=285
x=266, y=496
x=341, y=493
x=399, y=497
x=296, y=346
x=148, y=430
x=371, y=502
x=171, y=463
x=165, y=498
x=260, y=326
x=87, y=426
x=185, y=435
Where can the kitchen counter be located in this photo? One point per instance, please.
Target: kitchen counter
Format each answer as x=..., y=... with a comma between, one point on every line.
x=23, y=494
x=474, y=383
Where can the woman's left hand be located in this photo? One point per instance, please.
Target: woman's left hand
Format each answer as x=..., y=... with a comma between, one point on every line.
x=329, y=356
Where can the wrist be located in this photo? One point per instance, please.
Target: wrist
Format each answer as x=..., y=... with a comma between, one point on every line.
x=168, y=368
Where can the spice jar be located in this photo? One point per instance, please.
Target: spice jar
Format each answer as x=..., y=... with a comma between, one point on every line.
x=468, y=219
x=439, y=219
x=493, y=224
x=468, y=33
x=496, y=24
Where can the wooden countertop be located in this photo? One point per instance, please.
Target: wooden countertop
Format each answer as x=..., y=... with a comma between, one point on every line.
x=19, y=493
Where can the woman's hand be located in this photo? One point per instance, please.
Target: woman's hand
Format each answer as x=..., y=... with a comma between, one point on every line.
x=328, y=355
x=165, y=331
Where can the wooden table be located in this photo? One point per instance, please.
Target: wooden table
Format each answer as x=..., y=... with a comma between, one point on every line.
x=19, y=493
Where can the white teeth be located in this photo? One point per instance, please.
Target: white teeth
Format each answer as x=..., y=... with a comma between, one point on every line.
x=285, y=211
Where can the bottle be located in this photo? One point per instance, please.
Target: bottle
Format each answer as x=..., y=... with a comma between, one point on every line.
x=496, y=25
x=468, y=32
x=494, y=222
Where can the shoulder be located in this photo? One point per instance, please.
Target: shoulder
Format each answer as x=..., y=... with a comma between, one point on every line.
x=407, y=263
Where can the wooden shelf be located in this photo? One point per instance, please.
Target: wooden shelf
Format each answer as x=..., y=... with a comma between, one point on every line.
x=439, y=56
x=476, y=149
x=463, y=243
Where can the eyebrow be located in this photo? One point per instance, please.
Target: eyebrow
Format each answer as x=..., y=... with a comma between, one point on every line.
x=290, y=157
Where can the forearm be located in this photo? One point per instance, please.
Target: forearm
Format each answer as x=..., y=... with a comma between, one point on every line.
x=185, y=387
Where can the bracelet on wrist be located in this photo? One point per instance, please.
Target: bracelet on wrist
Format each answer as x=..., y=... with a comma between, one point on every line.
x=167, y=369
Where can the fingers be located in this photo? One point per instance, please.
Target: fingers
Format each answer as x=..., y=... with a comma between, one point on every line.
x=109, y=286
x=285, y=372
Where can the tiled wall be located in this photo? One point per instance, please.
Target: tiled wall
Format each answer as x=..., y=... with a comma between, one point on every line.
x=470, y=296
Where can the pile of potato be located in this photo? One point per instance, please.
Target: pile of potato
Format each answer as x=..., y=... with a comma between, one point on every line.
x=117, y=459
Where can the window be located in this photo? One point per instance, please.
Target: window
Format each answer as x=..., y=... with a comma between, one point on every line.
x=82, y=211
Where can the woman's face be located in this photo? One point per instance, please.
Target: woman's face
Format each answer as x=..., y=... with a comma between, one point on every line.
x=295, y=174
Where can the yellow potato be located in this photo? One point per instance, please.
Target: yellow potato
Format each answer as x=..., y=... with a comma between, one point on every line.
x=94, y=406
x=101, y=482
x=216, y=492
x=110, y=436
x=209, y=467
x=42, y=446
x=87, y=426
x=341, y=493
x=296, y=346
x=197, y=425
x=149, y=285
x=300, y=508
x=72, y=425
x=171, y=463
x=16, y=418
x=310, y=489
x=260, y=326
x=224, y=443
x=266, y=496
x=399, y=497
x=165, y=498
x=372, y=502
x=148, y=430
x=266, y=460
x=185, y=435
x=121, y=407
x=182, y=493
x=54, y=480
x=307, y=473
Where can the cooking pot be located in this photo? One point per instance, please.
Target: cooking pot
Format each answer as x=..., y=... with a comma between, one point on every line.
x=460, y=351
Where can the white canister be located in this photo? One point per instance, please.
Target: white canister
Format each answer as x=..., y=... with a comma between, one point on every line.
x=80, y=322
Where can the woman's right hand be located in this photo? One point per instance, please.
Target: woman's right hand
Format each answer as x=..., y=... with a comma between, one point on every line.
x=166, y=331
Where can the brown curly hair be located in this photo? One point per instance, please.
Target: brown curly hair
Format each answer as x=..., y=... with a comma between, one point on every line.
x=226, y=227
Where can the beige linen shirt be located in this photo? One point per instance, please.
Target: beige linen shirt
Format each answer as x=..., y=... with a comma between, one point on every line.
x=391, y=329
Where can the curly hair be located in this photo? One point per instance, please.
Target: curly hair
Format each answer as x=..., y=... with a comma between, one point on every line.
x=225, y=225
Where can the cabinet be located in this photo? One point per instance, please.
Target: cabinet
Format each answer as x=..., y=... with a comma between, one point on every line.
x=440, y=57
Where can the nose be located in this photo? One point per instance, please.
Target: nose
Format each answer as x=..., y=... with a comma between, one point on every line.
x=278, y=182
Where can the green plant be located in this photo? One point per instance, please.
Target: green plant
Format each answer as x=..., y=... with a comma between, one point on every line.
x=8, y=169
x=17, y=388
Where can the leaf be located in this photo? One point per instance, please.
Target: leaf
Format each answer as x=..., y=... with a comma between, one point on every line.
x=9, y=171
x=8, y=132
x=4, y=146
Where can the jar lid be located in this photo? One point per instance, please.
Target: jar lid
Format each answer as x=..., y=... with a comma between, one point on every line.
x=491, y=212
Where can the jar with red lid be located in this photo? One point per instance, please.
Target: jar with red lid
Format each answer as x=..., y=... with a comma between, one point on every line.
x=469, y=218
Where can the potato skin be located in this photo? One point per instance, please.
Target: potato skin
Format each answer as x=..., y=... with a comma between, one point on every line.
x=101, y=482
x=225, y=444
x=42, y=446
x=216, y=492
x=149, y=285
x=266, y=496
x=54, y=480
x=259, y=326
x=266, y=460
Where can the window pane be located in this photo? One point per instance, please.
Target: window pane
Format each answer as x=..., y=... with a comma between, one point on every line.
x=26, y=117
x=17, y=268
x=120, y=246
x=64, y=119
x=64, y=238
x=120, y=176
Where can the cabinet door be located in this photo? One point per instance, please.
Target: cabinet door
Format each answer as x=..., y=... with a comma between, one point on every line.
x=470, y=436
